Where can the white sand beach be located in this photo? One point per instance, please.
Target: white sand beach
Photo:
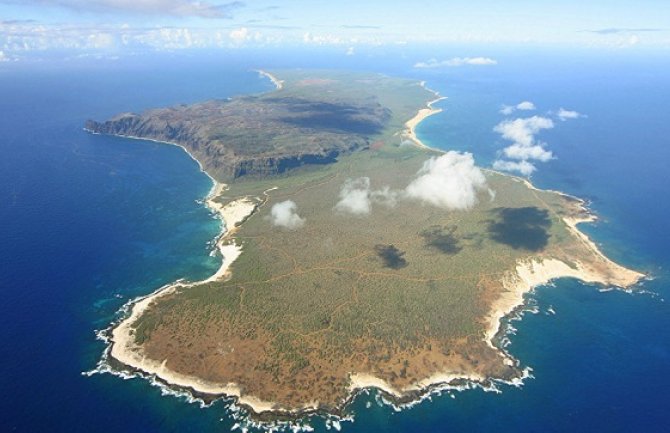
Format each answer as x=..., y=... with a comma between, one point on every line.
x=279, y=84
x=411, y=124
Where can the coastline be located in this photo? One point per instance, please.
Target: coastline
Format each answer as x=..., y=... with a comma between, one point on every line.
x=527, y=275
x=121, y=336
x=421, y=115
x=122, y=341
x=360, y=381
x=279, y=84
x=536, y=272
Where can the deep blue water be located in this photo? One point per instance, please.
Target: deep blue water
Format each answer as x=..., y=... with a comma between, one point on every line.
x=88, y=222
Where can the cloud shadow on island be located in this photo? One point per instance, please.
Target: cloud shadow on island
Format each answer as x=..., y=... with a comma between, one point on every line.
x=524, y=228
x=391, y=256
x=365, y=119
x=442, y=239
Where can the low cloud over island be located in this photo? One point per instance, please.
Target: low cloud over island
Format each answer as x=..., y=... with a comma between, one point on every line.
x=356, y=197
x=285, y=214
x=451, y=181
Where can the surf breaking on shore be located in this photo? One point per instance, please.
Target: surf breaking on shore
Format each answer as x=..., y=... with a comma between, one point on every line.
x=527, y=275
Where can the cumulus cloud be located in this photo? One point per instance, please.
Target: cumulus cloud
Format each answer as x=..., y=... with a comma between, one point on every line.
x=524, y=148
x=476, y=61
x=450, y=181
x=456, y=61
x=355, y=197
x=630, y=41
x=385, y=196
x=322, y=39
x=21, y=39
x=521, y=152
x=523, y=167
x=181, y=8
x=239, y=35
x=523, y=106
x=564, y=114
x=523, y=130
x=285, y=214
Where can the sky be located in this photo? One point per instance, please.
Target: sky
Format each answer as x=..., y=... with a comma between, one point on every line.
x=118, y=26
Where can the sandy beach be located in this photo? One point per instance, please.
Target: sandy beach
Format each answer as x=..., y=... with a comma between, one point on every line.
x=123, y=347
x=411, y=124
x=535, y=272
x=276, y=81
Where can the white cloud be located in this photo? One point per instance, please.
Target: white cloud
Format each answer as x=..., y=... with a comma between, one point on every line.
x=564, y=114
x=477, y=61
x=522, y=153
x=523, y=130
x=450, y=181
x=100, y=41
x=325, y=39
x=180, y=8
x=632, y=40
x=284, y=214
x=20, y=38
x=456, y=61
x=355, y=197
x=524, y=148
x=525, y=105
x=3, y=57
x=351, y=51
x=385, y=196
x=523, y=167
x=239, y=35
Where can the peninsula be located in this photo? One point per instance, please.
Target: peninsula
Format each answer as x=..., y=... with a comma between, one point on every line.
x=352, y=257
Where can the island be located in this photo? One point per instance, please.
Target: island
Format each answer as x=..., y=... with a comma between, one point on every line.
x=353, y=256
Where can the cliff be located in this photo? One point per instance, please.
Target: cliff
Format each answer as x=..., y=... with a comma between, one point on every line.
x=257, y=136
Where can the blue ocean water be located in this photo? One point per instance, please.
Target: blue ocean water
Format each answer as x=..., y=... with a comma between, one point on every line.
x=89, y=222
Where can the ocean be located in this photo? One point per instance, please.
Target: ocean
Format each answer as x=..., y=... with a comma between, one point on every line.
x=90, y=222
